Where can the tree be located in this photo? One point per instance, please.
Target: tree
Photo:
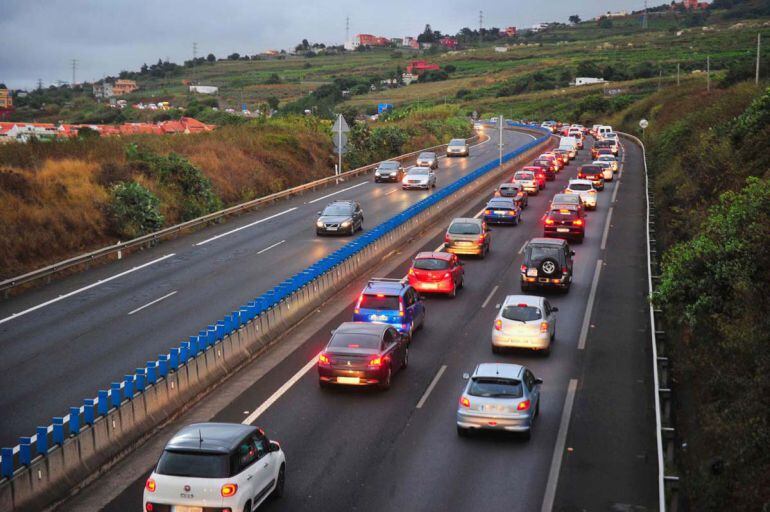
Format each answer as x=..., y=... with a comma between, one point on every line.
x=211, y=58
x=427, y=35
x=604, y=22
x=574, y=19
x=234, y=56
x=273, y=102
x=134, y=210
x=588, y=68
x=273, y=79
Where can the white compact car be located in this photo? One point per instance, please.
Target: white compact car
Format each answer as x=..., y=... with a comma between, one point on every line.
x=612, y=160
x=585, y=189
x=527, y=181
x=607, y=172
x=524, y=321
x=419, y=177
x=216, y=466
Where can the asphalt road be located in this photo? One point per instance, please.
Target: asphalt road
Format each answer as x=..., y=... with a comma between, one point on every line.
x=63, y=342
x=593, y=444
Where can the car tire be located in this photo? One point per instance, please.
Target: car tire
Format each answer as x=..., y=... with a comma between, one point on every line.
x=247, y=507
x=462, y=431
x=384, y=385
x=462, y=282
x=280, y=483
x=453, y=293
x=405, y=364
x=527, y=435
x=323, y=384
x=495, y=349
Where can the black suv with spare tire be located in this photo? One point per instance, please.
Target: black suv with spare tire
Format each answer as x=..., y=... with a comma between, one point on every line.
x=547, y=264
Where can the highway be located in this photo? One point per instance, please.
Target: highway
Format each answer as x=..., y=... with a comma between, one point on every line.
x=63, y=342
x=593, y=446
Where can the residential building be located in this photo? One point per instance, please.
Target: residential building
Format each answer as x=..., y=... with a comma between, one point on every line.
x=204, y=89
x=6, y=101
x=587, y=80
x=510, y=32
x=694, y=4
x=501, y=49
x=103, y=90
x=417, y=67
x=448, y=42
x=122, y=87
x=411, y=42
x=397, y=41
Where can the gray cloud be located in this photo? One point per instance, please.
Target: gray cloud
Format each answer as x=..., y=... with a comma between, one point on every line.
x=105, y=36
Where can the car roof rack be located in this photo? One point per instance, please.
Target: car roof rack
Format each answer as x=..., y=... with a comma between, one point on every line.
x=401, y=281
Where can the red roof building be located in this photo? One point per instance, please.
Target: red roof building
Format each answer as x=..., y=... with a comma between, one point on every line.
x=416, y=67
x=448, y=42
x=510, y=32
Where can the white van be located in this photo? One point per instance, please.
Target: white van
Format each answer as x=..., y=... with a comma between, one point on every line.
x=602, y=131
x=569, y=144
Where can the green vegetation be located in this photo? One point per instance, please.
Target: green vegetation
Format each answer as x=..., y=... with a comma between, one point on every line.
x=133, y=210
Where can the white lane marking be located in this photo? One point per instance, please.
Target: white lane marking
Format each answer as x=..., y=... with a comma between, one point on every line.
x=523, y=246
x=558, y=450
x=606, y=229
x=92, y=285
x=251, y=418
x=528, y=135
x=615, y=192
x=260, y=221
x=479, y=213
x=391, y=192
x=431, y=386
x=151, y=303
x=489, y=297
x=271, y=246
x=589, y=307
x=338, y=192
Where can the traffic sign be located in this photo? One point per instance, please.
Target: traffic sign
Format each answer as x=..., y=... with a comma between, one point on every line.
x=340, y=125
x=340, y=141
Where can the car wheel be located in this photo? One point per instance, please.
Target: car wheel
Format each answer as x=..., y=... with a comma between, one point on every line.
x=247, y=507
x=462, y=431
x=323, y=384
x=406, y=358
x=385, y=383
x=280, y=483
x=462, y=282
x=546, y=351
x=453, y=293
x=495, y=349
x=527, y=435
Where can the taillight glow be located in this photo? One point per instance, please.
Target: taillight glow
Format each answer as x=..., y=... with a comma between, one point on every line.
x=488, y=212
x=375, y=362
x=447, y=239
x=400, y=306
x=523, y=268
x=498, y=325
x=465, y=402
x=150, y=485
x=358, y=304
x=229, y=490
x=577, y=222
x=543, y=326
x=149, y=507
x=411, y=271
x=323, y=360
x=549, y=222
x=523, y=405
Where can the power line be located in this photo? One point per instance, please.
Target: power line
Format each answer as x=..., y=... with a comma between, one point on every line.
x=74, y=63
x=481, y=25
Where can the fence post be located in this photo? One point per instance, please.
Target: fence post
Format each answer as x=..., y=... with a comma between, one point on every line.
x=173, y=360
x=141, y=376
x=42, y=440
x=7, y=466
x=25, y=450
x=103, y=402
x=152, y=374
x=162, y=365
x=58, y=430
x=128, y=387
x=74, y=420
x=88, y=411
x=115, y=394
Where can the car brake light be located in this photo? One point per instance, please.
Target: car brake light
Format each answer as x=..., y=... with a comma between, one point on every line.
x=523, y=268
x=523, y=406
x=447, y=239
x=400, y=306
x=323, y=360
x=549, y=222
x=465, y=402
x=380, y=295
x=543, y=326
x=488, y=212
x=149, y=507
x=577, y=222
x=498, y=325
x=150, y=485
x=564, y=270
x=511, y=212
x=358, y=304
x=229, y=490
x=375, y=362
x=411, y=271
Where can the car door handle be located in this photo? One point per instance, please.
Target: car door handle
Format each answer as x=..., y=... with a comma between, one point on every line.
x=266, y=464
x=250, y=477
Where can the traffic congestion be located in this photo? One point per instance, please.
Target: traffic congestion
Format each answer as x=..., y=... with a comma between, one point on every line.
x=241, y=468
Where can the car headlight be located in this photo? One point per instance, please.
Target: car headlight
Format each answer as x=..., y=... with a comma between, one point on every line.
x=346, y=224
x=319, y=224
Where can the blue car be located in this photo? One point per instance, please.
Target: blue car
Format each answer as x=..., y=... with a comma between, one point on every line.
x=502, y=210
x=393, y=302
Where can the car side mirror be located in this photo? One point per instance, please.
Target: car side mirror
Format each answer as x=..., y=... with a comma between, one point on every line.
x=332, y=331
x=554, y=309
x=466, y=376
x=538, y=381
x=274, y=446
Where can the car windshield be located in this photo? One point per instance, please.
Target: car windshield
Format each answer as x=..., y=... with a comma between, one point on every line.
x=379, y=301
x=457, y=142
x=580, y=187
x=521, y=313
x=389, y=165
x=431, y=264
x=336, y=210
x=418, y=171
x=464, y=228
x=426, y=155
x=539, y=252
x=523, y=176
x=193, y=464
x=354, y=340
x=509, y=191
x=495, y=387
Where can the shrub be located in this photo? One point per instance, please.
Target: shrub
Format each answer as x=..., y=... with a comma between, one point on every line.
x=133, y=210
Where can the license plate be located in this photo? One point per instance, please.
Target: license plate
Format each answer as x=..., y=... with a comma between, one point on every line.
x=330, y=228
x=428, y=286
x=532, y=272
x=185, y=508
x=348, y=380
x=562, y=230
x=499, y=212
x=493, y=408
x=378, y=318
x=464, y=243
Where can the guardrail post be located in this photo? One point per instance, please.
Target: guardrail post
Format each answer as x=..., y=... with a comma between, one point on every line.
x=25, y=450
x=7, y=466
x=184, y=351
x=152, y=373
x=162, y=365
x=115, y=397
x=42, y=440
x=141, y=379
x=102, y=404
x=220, y=330
x=173, y=359
x=89, y=414
x=58, y=430
x=128, y=386
x=74, y=420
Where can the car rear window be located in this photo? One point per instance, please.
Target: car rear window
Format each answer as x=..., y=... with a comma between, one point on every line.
x=379, y=301
x=562, y=214
x=426, y=155
x=512, y=191
x=565, y=198
x=591, y=169
x=431, y=264
x=523, y=176
x=464, y=228
x=539, y=252
x=495, y=387
x=354, y=340
x=580, y=186
x=521, y=313
x=193, y=464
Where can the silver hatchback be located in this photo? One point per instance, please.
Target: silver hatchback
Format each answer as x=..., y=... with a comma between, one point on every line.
x=427, y=159
x=499, y=396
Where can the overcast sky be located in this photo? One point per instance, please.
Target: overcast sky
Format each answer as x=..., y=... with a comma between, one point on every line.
x=41, y=37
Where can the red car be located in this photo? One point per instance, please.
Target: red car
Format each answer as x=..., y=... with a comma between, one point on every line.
x=567, y=223
x=540, y=174
x=437, y=272
x=594, y=173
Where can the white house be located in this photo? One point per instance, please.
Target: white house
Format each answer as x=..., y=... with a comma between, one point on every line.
x=204, y=89
x=587, y=80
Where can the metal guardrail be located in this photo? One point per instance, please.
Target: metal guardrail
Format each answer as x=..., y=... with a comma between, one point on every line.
x=263, y=307
x=664, y=429
x=152, y=238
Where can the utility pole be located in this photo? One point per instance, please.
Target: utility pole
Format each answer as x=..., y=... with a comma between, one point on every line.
x=759, y=49
x=347, y=29
x=644, y=18
x=74, y=64
x=500, y=122
x=481, y=24
x=39, y=84
x=195, y=56
x=660, y=77
x=708, y=73
x=677, y=74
